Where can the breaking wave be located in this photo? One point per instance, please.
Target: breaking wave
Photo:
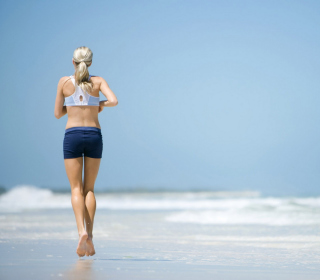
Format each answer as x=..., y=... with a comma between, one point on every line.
x=185, y=207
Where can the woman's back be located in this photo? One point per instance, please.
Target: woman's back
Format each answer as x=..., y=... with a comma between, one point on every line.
x=83, y=107
x=82, y=115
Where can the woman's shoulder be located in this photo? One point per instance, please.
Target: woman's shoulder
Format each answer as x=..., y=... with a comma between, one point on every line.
x=65, y=78
x=97, y=79
x=63, y=81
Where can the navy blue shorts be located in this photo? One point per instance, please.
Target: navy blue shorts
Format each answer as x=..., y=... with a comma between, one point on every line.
x=82, y=141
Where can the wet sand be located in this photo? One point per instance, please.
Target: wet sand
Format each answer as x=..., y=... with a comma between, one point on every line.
x=142, y=245
x=55, y=260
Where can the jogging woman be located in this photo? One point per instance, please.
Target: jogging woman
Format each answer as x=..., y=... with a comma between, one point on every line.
x=82, y=144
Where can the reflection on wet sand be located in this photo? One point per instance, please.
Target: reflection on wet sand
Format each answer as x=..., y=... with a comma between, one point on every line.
x=82, y=269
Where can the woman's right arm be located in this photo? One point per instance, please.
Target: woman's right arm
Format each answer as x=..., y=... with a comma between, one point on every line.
x=108, y=93
x=59, y=109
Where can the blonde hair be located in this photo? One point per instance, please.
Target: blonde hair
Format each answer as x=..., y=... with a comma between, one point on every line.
x=82, y=57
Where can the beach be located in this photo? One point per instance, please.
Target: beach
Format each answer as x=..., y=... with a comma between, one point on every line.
x=183, y=235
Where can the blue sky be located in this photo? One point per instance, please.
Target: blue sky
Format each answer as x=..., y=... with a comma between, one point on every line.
x=220, y=95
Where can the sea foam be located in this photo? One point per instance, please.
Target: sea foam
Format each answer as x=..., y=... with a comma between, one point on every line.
x=228, y=208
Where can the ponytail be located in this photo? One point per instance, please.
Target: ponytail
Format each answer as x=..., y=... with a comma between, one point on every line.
x=83, y=57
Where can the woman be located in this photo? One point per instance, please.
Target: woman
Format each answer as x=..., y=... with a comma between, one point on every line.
x=82, y=143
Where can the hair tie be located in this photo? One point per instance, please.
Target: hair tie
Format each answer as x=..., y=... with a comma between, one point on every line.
x=79, y=60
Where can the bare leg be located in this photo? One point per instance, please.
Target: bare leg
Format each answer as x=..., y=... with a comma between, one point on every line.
x=74, y=172
x=91, y=168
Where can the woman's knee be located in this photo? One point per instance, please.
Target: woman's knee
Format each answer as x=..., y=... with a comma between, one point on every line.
x=77, y=189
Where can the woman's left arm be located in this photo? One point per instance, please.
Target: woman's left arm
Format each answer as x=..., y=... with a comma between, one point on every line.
x=59, y=109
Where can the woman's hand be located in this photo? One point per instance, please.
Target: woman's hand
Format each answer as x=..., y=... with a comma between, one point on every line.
x=100, y=107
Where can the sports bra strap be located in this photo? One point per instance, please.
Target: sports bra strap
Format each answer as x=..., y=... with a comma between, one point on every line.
x=66, y=80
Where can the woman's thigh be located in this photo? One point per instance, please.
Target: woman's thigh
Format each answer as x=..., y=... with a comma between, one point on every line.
x=74, y=171
x=91, y=169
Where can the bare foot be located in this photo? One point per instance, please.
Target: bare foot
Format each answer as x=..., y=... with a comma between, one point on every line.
x=90, y=248
x=81, y=249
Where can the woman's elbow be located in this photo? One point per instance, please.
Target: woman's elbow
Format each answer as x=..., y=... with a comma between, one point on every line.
x=112, y=102
x=57, y=115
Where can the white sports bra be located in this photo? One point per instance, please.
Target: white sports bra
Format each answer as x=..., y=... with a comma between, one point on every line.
x=86, y=100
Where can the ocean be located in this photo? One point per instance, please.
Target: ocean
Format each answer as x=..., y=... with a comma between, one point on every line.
x=215, y=208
